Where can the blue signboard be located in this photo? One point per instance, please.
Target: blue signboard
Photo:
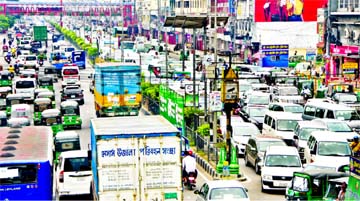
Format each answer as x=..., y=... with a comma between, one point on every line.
x=275, y=55
x=232, y=7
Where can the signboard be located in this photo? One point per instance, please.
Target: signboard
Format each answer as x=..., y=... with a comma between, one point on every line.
x=344, y=50
x=189, y=93
x=354, y=166
x=230, y=87
x=275, y=55
x=215, y=101
x=350, y=65
x=287, y=11
x=210, y=71
x=40, y=33
x=181, y=76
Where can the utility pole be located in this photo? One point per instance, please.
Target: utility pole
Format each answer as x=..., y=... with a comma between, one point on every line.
x=111, y=45
x=328, y=29
x=183, y=37
x=215, y=80
x=159, y=24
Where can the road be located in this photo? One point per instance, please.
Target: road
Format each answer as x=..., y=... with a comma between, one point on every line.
x=87, y=113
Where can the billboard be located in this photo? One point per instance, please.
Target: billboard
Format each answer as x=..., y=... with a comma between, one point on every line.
x=287, y=10
x=275, y=55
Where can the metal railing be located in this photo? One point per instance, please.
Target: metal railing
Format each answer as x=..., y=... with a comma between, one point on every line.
x=151, y=105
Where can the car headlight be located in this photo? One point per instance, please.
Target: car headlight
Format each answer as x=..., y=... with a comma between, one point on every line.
x=267, y=177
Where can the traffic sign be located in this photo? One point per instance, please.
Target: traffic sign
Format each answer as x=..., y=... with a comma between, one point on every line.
x=230, y=74
x=40, y=33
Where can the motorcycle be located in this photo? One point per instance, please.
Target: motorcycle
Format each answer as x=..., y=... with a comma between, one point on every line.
x=190, y=181
x=41, y=62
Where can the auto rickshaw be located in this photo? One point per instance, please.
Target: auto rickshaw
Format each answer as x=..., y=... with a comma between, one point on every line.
x=39, y=90
x=48, y=94
x=5, y=79
x=3, y=119
x=12, y=99
x=18, y=122
x=40, y=104
x=65, y=141
x=4, y=91
x=52, y=117
x=46, y=82
x=70, y=111
x=311, y=184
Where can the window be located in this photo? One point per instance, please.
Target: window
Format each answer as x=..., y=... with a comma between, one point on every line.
x=76, y=164
x=70, y=72
x=25, y=84
x=320, y=113
x=300, y=184
x=227, y=193
x=309, y=110
x=186, y=4
x=278, y=108
x=18, y=174
x=345, y=4
x=330, y=114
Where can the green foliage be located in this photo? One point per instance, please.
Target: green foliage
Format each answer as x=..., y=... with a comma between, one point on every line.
x=220, y=145
x=150, y=90
x=92, y=51
x=204, y=130
x=189, y=112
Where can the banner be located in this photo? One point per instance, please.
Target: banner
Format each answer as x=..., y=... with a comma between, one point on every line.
x=287, y=10
x=275, y=55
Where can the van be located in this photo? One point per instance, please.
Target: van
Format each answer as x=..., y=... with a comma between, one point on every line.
x=327, y=146
x=70, y=74
x=20, y=111
x=281, y=124
x=326, y=110
x=279, y=164
x=30, y=61
x=25, y=87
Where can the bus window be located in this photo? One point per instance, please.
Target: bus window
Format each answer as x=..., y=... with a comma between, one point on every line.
x=18, y=174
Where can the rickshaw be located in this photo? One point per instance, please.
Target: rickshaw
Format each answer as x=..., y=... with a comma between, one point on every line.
x=3, y=119
x=40, y=104
x=48, y=94
x=5, y=79
x=65, y=141
x=46, y=82
x=18, y=122
x=20, y=111
x=311, y=184
x=39, y=90
x=52, y=117
x=70, y=112
x=12, y=99
x=4, y=91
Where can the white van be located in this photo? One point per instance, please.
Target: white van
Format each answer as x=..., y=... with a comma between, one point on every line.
x=281, y=124
x=327, y=146
x=26, y=87
x=278, y=166
x=70, y=74
x=20, y=111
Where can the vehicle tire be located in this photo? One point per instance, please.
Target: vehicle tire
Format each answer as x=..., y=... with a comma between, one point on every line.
x=98, y=114
x=257, y=168
x=262, y=188
x=246, y=160
x=82, y=102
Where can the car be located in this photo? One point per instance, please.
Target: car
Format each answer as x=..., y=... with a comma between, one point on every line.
x=287, y=94
x=256, y=147
x=241, y=133
x=338, y=126
x=278, y=167
x=257, y=98
x=303, y=130
x=325, y=166
x=92, y=83
x=254, y=114
x=30, y=61
x=29, y=73
x=325, y=146
x=70, y=82
x=73, y=173
x=222, y=190
x=73, y=93
x=286, y=107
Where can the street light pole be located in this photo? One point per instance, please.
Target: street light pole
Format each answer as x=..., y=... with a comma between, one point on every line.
x=328, y=29
x=214, y=82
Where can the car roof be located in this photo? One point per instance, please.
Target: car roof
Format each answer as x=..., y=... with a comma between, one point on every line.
x=324, y=174
x=46, y=93
x=283, y=150
x=66, y=134
x=68, y=103
x=329, y=136
x=285, y=104
x=326, y=121
x=50, y=112
x=307, y=124
x=327, y=105
x=224, y=183
x=42, y=100
x=20, y=106
x=74, y=153
x=15, y=96
x=25, y=79
x=268, y=138
x=284, y=115
x=5, y=89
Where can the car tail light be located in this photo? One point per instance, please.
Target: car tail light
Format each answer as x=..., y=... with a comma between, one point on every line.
x=81, y=95
x=311, y=160
x=61, y=176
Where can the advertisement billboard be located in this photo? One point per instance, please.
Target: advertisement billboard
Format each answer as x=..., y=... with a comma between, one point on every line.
x=287, y=10
x=275, y=55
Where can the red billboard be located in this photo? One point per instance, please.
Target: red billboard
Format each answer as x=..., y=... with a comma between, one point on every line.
x=287, y=10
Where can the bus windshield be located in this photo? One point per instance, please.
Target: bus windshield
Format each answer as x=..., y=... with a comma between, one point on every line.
x=18, y=174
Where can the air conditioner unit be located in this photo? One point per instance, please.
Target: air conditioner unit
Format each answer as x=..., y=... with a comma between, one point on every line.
x=356, y=35
x=347, y=33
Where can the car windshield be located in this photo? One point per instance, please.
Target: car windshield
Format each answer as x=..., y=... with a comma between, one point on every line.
x=50, y=71
x=339, y=127
x=347, y=98
x=257, y=112
x=25, y=42
x=286, y=125
x=69, y=111
x=262, y=145
x=245, y=130
x=258, y=100
x=288, y=91
x=76, y=164
x=294, y=109
x=25, y=84
x=70, y=71
x=305, y=133
x=228, y=193
x=327, y=148
x=282, y=161
x=127, y=45
x=347, y=115
x=31, y=58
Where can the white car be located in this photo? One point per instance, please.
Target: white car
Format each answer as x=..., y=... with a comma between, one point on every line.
x=26, y=87
x=73, y=173
x=240, y=136
x=278, y=167
x=222, y=190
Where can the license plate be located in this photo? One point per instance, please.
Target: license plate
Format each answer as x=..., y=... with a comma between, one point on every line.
x=280, y=184
x=72, y=96
x=80, y=179
x=191, y=178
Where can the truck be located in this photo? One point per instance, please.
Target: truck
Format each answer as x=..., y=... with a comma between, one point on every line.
x=117, y=89
x=135, y=158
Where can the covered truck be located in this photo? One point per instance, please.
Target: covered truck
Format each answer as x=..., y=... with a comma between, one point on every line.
x=136, y=159
x=117, y=89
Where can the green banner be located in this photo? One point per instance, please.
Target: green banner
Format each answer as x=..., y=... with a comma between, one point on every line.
x=353, y=189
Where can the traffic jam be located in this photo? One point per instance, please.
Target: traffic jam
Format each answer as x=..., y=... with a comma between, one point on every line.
x=75, y=127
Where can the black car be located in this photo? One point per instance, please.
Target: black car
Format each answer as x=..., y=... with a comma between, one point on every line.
x=73, y=93
x=254, y=114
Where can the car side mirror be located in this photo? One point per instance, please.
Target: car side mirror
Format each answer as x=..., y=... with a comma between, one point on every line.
x=246, y=189
x=296, y=137
x=196, y=192
x=312, y=152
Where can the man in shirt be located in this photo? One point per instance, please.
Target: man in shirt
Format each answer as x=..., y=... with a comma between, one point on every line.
x=188, y=165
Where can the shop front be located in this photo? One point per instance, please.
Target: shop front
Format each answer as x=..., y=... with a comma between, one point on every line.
x=344, y=61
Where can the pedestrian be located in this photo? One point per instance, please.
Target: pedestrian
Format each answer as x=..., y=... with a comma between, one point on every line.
x=341, y=195
x=4, y=41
